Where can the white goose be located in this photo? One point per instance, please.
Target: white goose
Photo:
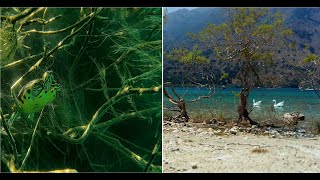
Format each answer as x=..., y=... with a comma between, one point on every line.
x=256, y=103
x=280, y=104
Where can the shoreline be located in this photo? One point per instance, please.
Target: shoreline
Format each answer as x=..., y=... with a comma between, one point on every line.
x=199, y=147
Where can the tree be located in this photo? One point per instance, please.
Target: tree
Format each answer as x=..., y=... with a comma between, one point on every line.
x=251, y=38
x=310, y=65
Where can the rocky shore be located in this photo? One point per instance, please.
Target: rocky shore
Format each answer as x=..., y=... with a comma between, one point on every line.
x=219, y=147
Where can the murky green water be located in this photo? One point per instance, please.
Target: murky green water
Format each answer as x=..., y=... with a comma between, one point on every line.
x=107, y=115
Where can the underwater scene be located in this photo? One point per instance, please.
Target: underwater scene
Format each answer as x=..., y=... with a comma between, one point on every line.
x=81, y=89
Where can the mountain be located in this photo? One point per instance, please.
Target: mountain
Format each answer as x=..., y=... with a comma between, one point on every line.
x=305, y=23
x=182, y=21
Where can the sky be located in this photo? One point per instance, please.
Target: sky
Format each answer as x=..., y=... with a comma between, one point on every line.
x=172, y=9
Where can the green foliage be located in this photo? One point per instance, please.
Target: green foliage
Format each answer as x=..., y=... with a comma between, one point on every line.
x=263, y=56
x=310, y=58
x=263, y=29
x=287, y=32
x=292, y=45
x=248, y=33
x=186, y=56
x=224, y=76
x=11, y=43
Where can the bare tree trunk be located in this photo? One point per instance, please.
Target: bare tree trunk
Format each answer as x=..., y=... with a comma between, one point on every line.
x=183, y=110
x=180, y=102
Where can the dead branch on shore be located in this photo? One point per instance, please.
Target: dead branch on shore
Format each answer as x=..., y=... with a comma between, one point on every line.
x=180, y=102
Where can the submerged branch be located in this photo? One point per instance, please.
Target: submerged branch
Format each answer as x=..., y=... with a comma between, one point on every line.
x=124, y=150
x=70, y=134
x=153, y=154
x=15, y=18
x=26, y=19
x=129, y=143
x=21, y=61
x=118, y=119
x=31, y=143
x=143, y=90
x=57, y=47
x=60, y=30
x=117, y=61
x=11, y=139
x=42, y=21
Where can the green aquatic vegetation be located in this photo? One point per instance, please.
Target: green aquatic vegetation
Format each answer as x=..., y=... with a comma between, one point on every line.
x=37, y=93
x=9, y=43
x=106, y=115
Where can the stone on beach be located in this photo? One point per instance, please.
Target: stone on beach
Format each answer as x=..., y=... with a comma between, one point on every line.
x=234, y=130
x=293, y=118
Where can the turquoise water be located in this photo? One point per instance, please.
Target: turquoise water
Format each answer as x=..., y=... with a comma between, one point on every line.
x=225, y=103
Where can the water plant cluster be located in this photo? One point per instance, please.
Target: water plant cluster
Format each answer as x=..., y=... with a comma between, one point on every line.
x=106, y=115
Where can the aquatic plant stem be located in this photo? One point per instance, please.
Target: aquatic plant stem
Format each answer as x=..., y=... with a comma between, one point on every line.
x=67, y=136
x=120, y=60
x=153, y=154
x=99, y=113
x=120, y=139
x=125, y=151
x=31, y=143
x=57, y=31
x=21, y=61
x=121, y=52
x=25, y=20
x=11, y=139
x=43, y=21
x=142, y=90
x=105, y=125
x=79, y=55
x=15, y=18
x=42, y=32
x=58, y=46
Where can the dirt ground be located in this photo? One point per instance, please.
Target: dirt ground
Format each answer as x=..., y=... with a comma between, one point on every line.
x=191, y=149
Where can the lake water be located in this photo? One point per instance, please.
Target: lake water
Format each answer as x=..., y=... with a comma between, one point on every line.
x=225, y=102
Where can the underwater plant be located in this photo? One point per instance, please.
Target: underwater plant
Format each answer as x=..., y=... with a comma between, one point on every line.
x=81, y=89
